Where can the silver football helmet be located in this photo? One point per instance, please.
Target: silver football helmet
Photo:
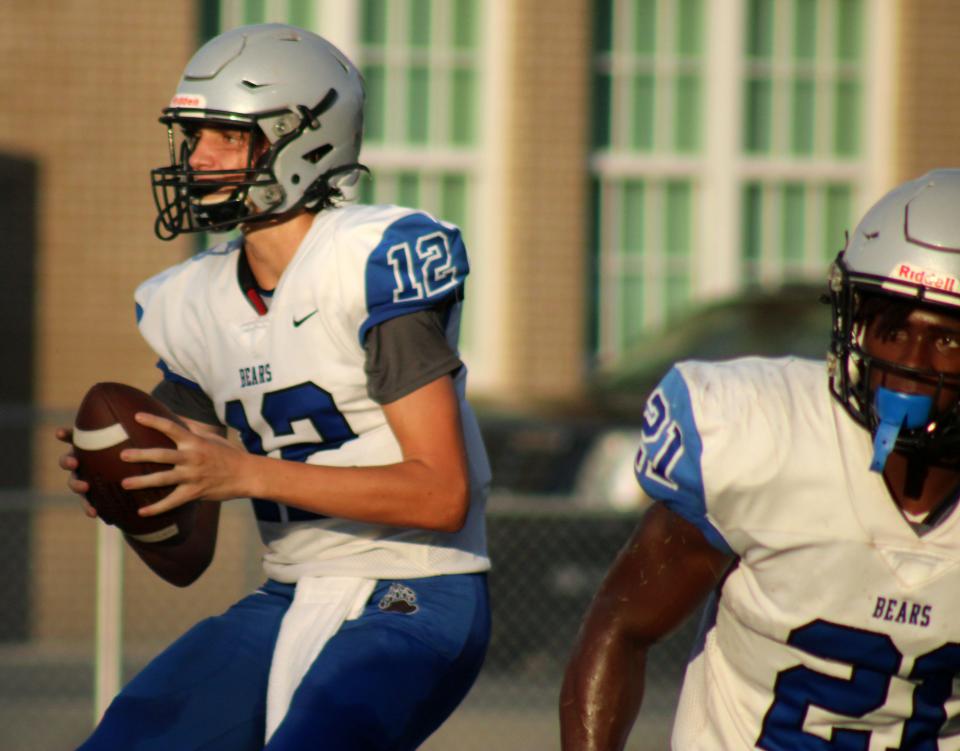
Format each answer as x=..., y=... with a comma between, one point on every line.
x=907, y=249
x=301, y=100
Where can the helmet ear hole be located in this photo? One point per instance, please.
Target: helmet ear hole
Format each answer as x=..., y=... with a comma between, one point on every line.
x=315, y=155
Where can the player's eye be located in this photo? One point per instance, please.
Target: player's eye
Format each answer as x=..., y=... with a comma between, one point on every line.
x=948, y=342
x=233, y=137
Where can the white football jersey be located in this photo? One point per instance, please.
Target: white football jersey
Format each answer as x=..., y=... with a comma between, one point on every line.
x=292, y=381
x=839, y=628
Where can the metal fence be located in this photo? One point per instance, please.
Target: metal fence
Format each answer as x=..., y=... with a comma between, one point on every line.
x=548, y=560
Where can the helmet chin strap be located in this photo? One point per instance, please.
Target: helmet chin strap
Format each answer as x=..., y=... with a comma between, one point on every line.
x=895, y=411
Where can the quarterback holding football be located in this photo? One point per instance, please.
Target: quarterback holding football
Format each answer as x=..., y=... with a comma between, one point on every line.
x=814, y=506
x=326, y=335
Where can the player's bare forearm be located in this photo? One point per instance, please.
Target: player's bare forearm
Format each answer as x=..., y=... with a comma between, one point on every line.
x=602, y=689
x=427, y=489
x=412, y=493
x=660, y=577
x=603, y=684
x=182, y=564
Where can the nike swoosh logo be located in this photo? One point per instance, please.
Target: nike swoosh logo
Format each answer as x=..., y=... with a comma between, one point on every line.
x=296, y=323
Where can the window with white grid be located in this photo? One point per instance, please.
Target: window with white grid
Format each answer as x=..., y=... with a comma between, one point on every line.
x=420, y=60
x=731, y=148
x=802, y=134
x=647, y=136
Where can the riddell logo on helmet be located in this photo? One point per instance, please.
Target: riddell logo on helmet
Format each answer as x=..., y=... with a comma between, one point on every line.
x=925, y=278
x=188, y=100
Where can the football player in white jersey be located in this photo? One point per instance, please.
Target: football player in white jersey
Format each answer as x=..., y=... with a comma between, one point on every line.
x=326, y=335
x=814, y=507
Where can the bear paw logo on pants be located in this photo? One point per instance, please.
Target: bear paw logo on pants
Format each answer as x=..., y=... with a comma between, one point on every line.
x=399, y=599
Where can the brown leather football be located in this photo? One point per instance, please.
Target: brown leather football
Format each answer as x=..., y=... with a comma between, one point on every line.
x=104, y=426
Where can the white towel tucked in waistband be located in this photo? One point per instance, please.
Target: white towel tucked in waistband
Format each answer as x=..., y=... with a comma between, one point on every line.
x=320, y=606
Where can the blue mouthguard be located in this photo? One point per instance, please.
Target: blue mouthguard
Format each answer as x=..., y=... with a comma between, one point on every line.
x=896, y=411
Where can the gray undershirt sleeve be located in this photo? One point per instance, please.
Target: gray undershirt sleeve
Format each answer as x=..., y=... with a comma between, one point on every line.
x=186, y=401
x=407, y=352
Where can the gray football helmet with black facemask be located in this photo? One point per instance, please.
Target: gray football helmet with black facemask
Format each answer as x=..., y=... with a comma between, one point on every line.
x=302, y=101
x=906, y=249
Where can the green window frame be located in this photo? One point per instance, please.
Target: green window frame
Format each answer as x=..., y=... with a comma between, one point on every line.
x=803, y=135
x=793, y=229
x=777, y=169
x=650, y=223
x=647, y=77
x=648, y=104
x=421, y=61
x=803, y=88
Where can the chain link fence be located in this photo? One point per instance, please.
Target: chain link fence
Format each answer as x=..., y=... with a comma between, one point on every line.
x=548, y=558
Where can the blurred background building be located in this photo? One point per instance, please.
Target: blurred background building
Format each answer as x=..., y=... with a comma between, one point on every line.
x=637, y=180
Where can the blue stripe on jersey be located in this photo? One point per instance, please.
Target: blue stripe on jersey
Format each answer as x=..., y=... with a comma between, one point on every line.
x=269, y=511
x=417, y=264
x=169, y=375
x=668, y=462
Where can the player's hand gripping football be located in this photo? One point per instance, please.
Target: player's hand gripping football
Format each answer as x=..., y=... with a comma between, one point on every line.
x=204, y=467
x=69, y=463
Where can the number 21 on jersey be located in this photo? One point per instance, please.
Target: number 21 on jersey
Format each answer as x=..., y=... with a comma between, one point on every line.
x=662, y=445
x=873, y=660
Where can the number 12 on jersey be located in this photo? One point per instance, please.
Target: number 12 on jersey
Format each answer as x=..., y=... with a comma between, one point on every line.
x=280, y=410
x=424, y=270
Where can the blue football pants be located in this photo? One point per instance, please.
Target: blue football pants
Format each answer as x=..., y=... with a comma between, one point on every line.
x=386, y=680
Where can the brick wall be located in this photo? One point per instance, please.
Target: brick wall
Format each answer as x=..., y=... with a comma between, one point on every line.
x=547, y=183
x=88, y=81
x=85, y=84
x=928, y=108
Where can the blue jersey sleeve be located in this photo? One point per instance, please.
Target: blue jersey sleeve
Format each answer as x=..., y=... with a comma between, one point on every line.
x=418, y=263
x=668, y=464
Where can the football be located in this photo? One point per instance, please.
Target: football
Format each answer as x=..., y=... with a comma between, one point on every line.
x=103, y=427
